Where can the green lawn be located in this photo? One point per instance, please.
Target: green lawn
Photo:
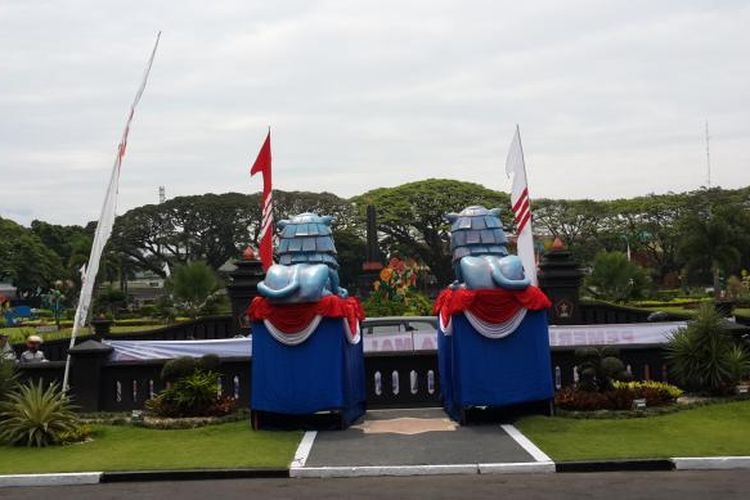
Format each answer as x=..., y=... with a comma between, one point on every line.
x=18, y=334
x=673, y=309
x=135, y=448
x=745, y=312
x=721, y=429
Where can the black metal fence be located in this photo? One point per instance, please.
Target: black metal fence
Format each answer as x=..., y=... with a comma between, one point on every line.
x=395, y=379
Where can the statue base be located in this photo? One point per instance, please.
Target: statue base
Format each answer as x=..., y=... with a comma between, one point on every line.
x=510, y=373
x=291, y=383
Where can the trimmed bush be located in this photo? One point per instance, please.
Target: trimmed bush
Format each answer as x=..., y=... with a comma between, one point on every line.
x=178, y=368
x=210, y=362
x=599, y=368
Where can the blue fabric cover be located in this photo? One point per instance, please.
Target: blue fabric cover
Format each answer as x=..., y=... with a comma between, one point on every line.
x=325, y=372
x=477, y=371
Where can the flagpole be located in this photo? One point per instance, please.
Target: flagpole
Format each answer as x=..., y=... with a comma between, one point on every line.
x=105, y=223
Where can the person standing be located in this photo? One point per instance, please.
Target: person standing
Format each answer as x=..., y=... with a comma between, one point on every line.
x=33, y=354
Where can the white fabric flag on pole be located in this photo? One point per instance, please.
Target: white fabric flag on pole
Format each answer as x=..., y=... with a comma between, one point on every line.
x=515, y=167
x=106, y=221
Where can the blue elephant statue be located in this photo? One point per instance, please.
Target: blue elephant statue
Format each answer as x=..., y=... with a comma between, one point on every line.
x=479, y=250
x=307, y=270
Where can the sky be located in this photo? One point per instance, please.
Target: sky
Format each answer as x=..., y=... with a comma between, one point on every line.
x=611, y=97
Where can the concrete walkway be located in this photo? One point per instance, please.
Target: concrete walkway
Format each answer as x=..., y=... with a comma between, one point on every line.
x=414, y=441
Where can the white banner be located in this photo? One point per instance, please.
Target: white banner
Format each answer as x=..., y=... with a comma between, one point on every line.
x=106, y=221
x=139, y=350
x=618, y=335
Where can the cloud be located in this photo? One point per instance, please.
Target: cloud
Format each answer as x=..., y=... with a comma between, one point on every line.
x=611, y=97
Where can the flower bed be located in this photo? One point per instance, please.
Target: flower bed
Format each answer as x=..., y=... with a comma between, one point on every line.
x=619, y=398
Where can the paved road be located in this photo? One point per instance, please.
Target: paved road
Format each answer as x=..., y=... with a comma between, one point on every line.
x=610, y=486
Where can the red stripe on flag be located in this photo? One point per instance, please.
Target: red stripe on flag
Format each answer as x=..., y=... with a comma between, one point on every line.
x=524, y=208
x=520, y=215
x=524, y=221
x=523, y=196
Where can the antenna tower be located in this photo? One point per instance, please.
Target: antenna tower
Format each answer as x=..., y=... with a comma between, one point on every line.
x=708, y=158
x=162, y=194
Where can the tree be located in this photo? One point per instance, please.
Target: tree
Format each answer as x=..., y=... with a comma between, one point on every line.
x=578, y=223
x=194, y=286
x=70, y=243
x=651, y=226
x=25, y=261
x=615, y=278
x=110, y=300
x=711, y=242
x=350, y=248
x=411, y=218
x=210, y=227
x=290, y=203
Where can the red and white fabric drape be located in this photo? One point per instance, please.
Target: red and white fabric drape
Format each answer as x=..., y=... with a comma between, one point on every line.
x=292, y=324
x=493, y=313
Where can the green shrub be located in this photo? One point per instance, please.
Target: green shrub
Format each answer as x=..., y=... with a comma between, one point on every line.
x=599, y=368
x=411, y=304
x=614, y=277
x=190, y=396
x=148, y=311
x=79, y=434
x=8, y=378
x=704, y=357
x=210, y=362
x=178, y=368
x=184, y=366
x=195, y=286
x=35, y=416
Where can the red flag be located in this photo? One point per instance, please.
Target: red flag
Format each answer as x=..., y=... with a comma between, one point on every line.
x=263, y=165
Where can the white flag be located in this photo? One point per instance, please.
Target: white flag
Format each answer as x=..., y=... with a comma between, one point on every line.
x=106, y=221
x=515, y=167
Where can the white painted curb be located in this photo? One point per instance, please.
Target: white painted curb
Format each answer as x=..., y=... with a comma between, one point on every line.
x=385, y=470
x=303, y=450
x=711, y=463
x=63, y=479
x=526, y=443
x=545, y=467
